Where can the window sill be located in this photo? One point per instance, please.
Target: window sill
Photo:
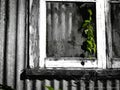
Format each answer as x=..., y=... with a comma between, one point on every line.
x=70, y=74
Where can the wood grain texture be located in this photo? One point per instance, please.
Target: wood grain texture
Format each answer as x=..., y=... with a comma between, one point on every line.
x=117, y=84
x=82, y=84
x=47, y=83
x=109, y=85
x=34, y=34
x=29, y=85
x=2, y=34
x=73, y=85
x=65, y=85
x=38, y=85
x=70, y=74
x=11, y=43
x=100, y=85
x=91, y=85
x=108, y=34
x=20, y=43
x=56, y=84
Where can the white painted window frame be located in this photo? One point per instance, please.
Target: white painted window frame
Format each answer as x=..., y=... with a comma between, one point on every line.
x=100, y=63
x=111, y=62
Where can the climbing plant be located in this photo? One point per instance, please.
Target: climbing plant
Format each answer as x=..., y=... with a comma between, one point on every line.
x=89, y=31
x=50, y=88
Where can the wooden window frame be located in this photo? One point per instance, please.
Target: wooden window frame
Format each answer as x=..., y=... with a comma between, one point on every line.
x=73, y=63
x=111, y=62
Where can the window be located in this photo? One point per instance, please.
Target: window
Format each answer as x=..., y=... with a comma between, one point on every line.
x=59, y=40
x=112, y=24
x=60, y=35
x=56, y=39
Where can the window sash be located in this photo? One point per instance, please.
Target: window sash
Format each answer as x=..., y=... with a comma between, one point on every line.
x=100, y=62
x=111, y=61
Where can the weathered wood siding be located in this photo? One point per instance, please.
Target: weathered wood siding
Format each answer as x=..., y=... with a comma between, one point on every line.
x=12, y=53
x=34, y=32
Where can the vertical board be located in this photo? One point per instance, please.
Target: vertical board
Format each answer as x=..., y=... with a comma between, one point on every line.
x=38, y=85
x=20, y=43
x=56, y=84
x=2, y=34
x=100, y=85
x=82, y=84
x=117, y=84
x=109, y=85
x=29, y=85
x=11, y=42
x=91, y=85
x=34, y=33
x=108, y=33
x=47, y=84
x=65, y=85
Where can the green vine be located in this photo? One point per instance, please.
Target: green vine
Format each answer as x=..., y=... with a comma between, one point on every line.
x=50, y=88
x=89, y=31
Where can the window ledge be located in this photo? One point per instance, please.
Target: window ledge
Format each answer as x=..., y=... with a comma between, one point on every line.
x=70, y=74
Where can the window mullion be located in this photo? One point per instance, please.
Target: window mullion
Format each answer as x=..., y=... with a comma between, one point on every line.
x=42, y=33
x=101, y=45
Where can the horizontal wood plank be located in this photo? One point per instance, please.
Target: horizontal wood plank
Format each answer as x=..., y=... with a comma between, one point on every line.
x=41, y=74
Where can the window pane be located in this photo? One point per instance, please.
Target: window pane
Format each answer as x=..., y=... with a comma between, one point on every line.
x=115, y=19
x=66, y=36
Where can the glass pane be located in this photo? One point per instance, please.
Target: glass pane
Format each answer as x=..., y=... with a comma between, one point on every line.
x=115, y=19
x=66, y=35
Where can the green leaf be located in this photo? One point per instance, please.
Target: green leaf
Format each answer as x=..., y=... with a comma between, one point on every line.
x=90, y=33
x=94, y=49
x=49, y=87
x=86, y=31
x=90, y=18
x=89, y=50
x=90, y=27
x=90, y=11
x=87, y=21
x=84, y=25
x=90, y=43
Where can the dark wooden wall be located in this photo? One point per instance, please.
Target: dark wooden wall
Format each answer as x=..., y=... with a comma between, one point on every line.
x=12, y=54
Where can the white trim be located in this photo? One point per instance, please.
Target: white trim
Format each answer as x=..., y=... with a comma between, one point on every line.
x=115, y=64
x=101, y=42
x=42, y=33
x=70, y=63
x=74, y=0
